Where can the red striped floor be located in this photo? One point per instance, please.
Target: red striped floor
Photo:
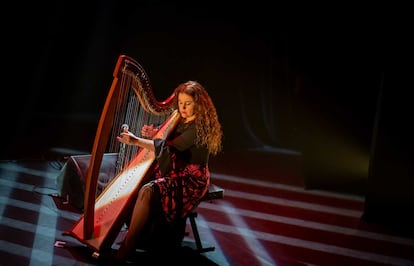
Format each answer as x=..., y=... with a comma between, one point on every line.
x=265, y=223
x=260, y=221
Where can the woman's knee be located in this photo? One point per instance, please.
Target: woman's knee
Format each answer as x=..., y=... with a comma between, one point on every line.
x=146, y=192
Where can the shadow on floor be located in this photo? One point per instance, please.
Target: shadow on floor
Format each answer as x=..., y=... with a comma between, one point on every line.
x=184, y=256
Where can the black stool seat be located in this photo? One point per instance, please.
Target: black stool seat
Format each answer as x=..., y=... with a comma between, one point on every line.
x=214, y=192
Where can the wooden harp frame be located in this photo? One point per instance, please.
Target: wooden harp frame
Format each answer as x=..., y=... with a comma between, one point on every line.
x=104, y=216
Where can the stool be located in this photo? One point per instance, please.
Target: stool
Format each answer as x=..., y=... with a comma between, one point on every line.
x=214, y=192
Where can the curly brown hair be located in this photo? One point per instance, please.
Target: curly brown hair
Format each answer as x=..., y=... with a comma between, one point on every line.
x=208, y=128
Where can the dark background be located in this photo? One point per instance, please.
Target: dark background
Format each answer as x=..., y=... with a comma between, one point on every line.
x=329, y=82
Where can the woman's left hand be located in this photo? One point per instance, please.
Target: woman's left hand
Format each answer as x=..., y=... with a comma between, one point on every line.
x=148, y=131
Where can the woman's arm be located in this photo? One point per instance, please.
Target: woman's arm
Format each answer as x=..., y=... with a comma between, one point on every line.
x=130, y=139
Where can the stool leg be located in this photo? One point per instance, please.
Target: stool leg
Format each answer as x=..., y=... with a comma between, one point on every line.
x=192, y=217
x=194, y=228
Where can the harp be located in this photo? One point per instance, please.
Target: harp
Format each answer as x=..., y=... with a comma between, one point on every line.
x=130, y=102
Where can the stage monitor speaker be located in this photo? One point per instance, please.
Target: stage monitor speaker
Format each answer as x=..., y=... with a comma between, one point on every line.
x=71, y=180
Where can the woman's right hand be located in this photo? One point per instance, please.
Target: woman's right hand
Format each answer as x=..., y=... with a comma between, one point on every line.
x=127, y=138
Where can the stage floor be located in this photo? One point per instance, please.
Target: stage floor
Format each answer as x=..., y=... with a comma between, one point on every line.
x=262, y=220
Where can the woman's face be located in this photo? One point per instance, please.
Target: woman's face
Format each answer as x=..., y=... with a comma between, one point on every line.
x=186, y=106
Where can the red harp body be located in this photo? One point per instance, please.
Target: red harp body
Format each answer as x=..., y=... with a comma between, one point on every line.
x=130, y=102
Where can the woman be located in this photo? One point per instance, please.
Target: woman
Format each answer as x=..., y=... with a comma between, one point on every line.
x=181, y=175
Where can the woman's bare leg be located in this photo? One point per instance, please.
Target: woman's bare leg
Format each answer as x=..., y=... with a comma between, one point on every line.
x=139, y=218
